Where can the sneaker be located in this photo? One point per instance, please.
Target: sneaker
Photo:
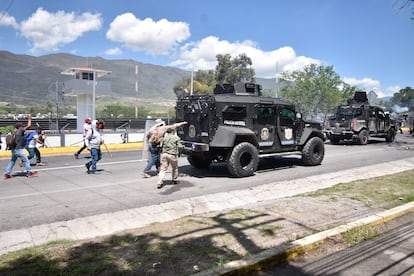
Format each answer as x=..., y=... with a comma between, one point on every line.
x=91, y=172
x=159, y=186
x=31, y=174
x=40, y=164
x=7, y=176
x=175, y=182
x=76, y=155
x=145, y=175
x=88, y=166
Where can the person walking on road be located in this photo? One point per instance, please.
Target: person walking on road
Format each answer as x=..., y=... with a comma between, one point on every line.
x=93, y=141
x=33, y=139
x=18, y=150
x=154, y=138
x=86, y=127
x=171, y=147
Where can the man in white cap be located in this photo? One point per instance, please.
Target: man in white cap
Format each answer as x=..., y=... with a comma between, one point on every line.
x=93, y=141
x=154, y=138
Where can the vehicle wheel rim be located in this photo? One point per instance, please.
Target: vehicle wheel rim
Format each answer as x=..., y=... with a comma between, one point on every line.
x=245, y=159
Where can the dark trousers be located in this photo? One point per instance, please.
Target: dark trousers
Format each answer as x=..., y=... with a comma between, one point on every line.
x=34, y=152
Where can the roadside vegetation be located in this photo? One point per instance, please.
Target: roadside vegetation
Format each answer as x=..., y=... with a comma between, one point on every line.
x=197, y=243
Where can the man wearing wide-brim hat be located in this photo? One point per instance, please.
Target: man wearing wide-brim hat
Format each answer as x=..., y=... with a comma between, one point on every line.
x=154, y=139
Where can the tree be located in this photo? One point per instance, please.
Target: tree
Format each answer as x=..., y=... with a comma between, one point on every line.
x=317, y=89
x=234, y=70
x=405, y=4
x=404, y=98
x=228, y=70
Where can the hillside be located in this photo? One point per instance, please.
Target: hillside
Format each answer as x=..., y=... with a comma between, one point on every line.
x=24, y=77
x=27, y=79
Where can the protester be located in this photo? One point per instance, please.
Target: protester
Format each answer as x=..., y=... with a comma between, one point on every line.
x=93, y=141
x=18, y=150
x=86, y=127
x=171, y=146
x=154, y=138
x=33, y=140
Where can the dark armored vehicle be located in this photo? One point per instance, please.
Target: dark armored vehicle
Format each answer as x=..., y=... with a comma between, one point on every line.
x=237, y=125
x=358, y=121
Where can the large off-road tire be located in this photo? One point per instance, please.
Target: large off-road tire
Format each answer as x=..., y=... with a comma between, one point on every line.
x=390, y=135
x=313, y=152
x=198, y=161
x=243, y=160
x=363, y=137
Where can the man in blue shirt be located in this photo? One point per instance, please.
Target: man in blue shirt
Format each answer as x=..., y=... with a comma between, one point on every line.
x=18, y=150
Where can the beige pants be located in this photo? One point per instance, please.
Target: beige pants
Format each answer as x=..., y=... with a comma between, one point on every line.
x=166, y=160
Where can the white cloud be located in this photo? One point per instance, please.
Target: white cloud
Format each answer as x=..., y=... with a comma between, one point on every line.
x=113, y=52
x=202, y=55
x=393, y=89
x=151, y=37
x=7, y=20
x=50, y=31
x=367, y=84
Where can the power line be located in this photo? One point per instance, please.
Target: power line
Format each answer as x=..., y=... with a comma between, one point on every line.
x=7, y=9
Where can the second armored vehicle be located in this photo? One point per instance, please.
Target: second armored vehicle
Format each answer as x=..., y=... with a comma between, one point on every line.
x=237, y=125
x=358, y=121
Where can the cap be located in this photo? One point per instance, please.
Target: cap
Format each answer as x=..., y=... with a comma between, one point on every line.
x=88, y=120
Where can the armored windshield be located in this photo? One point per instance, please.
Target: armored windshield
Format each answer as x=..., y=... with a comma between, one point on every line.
x=349, y=111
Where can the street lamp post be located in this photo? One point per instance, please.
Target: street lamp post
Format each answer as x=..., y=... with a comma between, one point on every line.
x=93, y=95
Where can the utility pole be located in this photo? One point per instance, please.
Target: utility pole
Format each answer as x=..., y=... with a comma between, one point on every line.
x=192, y=81
x=136, y=91
x=57, y=105
x=277, y=80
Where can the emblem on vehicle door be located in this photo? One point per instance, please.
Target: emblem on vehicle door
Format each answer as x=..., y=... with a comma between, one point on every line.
x=288, y=133
x=264, y=134
x=191, y=131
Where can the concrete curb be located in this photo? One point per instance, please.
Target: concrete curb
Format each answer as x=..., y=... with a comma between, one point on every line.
x=274, y=256
x=73, y=149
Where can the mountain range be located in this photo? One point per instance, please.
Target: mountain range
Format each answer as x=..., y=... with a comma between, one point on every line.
x=28, y=79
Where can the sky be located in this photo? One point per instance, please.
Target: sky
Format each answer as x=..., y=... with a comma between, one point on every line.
x=369, y=43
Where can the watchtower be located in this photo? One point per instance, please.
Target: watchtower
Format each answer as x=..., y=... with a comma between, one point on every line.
x=86, y=87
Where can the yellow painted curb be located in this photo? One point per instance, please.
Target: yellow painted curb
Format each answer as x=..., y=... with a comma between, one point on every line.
x=274, y=256
x=73, y=149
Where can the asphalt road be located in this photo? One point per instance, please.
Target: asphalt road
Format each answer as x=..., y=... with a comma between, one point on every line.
x=64, y=191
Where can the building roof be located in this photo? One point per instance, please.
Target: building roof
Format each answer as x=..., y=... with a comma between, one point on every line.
x=74, y=70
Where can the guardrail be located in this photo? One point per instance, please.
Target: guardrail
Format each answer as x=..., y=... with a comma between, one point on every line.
x=110, y=124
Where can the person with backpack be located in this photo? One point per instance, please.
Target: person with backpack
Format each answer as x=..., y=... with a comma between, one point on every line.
x=33, y=139
x=16, y=145
x=154, y=139
x=93, y=141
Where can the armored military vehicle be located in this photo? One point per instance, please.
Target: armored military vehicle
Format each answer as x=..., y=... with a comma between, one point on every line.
x=358, y=121
x=237, y=125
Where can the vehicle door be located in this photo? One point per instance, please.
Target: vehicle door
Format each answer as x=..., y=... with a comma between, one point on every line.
x=286, y=120
x=196, y=111
x=381, y=120
x=265, y=125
